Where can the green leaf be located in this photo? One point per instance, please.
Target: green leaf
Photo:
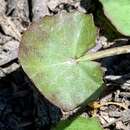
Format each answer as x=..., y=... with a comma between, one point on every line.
x=48, y=54
x=118, y=12
x=80, y=123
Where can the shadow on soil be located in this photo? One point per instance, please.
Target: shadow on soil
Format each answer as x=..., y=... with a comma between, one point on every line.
x=22, y=107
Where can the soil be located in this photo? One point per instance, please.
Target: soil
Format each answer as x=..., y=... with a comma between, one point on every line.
x=22, y=107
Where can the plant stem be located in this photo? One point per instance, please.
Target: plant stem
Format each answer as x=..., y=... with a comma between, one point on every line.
x=105, y=53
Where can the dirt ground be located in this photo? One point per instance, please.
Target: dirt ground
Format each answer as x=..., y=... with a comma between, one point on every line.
x=21, y=105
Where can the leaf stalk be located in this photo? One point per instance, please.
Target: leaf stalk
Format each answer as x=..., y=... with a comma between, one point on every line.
x=105, y=53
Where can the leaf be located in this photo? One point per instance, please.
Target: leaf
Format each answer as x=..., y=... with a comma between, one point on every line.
x=80, y=123
x=48, y=54
x=118, y=12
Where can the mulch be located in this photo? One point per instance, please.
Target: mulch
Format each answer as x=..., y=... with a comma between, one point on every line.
x=22, y=107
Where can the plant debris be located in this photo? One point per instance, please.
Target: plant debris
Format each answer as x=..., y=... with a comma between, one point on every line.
x=21, y=105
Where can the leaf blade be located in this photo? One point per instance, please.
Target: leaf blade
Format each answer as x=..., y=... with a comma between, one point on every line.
x=79, y=123
x=48, y=58
x=118, y=12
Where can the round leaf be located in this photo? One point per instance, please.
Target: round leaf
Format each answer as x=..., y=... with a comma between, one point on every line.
x=118, y=11
x=79, y=123
x=48, y=54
